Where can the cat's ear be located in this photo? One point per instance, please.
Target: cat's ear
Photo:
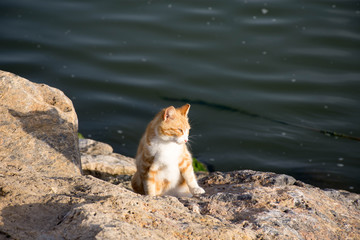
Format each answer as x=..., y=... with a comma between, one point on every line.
x=169, y=113
x=184, y=110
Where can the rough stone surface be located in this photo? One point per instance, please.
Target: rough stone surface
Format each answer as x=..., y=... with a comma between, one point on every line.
x=48, y=203
x=92, y=147
x=266, y=205
x=276, y=206
x=38, y=127
x=89, y=208
x=98, y=160
x=113, y=164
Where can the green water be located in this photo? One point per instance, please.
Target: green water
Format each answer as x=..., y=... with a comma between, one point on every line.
x=263, y=77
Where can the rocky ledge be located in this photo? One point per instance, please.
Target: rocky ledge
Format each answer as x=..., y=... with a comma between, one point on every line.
x=44, y=195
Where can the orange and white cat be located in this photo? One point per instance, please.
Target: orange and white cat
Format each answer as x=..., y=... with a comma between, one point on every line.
x=163, y=161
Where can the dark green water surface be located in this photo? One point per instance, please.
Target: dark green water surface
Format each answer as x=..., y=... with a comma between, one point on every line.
x=264, y=78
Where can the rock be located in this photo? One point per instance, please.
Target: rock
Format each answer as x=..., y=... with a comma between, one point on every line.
x=266, y=205
x=38, y=127
x=55, y=202
x=88, y=208
x=98, y=160
x=248, y=176
x=92, y=147
x=113, y=164
x=114, y=168
x=273, y=206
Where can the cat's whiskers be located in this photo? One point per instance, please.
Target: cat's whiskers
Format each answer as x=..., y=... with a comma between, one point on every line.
x=192, y=138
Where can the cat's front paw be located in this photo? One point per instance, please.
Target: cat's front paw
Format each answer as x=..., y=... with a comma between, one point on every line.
x=197, y=191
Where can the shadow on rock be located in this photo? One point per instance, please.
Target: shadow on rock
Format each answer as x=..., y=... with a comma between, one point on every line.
x=58, y=218
x=54, y=131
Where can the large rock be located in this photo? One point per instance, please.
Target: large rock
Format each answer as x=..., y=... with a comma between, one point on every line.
x=276, y=206
x=92, y=147
x=38, y=129
x=49, y=199
x=98, y=159
x=89, y=208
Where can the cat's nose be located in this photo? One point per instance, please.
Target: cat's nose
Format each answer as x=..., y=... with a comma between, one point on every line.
x=186, y=140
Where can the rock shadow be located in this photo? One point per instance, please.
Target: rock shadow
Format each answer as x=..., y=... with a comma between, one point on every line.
x=52, y=129
x=51, y=220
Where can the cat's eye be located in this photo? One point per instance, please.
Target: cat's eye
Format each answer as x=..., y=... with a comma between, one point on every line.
x=180, y=130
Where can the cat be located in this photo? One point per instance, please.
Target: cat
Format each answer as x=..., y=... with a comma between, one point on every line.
x=163, y=161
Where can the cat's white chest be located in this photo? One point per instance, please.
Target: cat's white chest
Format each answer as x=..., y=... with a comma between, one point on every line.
x=166, y=159
x=166, y=153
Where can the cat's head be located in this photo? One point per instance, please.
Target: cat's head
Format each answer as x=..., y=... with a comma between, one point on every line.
x=174, y=124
